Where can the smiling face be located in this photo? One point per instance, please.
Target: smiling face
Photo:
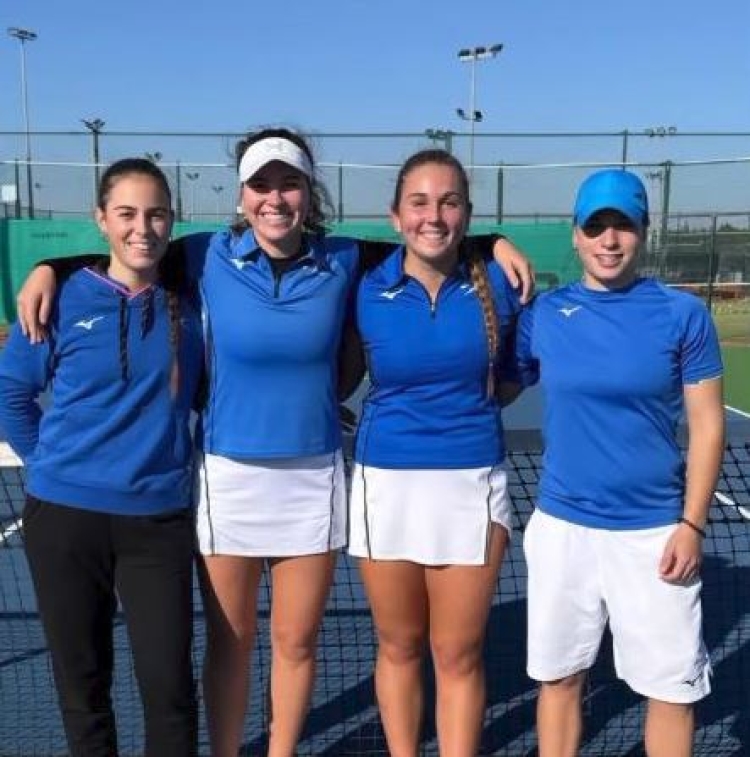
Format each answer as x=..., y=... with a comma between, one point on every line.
x=608, y=245
x=136, y=218
x=432, y=213
x=275, y=202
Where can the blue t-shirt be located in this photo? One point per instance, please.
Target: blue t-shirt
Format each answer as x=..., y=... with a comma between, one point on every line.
x=272, y=344
x=612, y=367
x=428, y=407
x=115, y=437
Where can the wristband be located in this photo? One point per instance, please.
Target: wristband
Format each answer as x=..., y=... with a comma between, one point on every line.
x=697, y=529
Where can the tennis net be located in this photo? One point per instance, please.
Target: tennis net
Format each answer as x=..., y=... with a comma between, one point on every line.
x=343, y=719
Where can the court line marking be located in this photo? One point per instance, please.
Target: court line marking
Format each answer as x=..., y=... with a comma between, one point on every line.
x=741, y=509
x=731, y=409
x=8, y=458
x=12, y=529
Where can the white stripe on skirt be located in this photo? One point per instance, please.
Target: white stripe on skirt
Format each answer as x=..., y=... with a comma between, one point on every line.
x=431, y=517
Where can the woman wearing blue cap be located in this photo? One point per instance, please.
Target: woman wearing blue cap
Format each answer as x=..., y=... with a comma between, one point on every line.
x=617, y=534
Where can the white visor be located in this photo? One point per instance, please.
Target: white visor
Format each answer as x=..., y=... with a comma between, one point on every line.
x=266, y=150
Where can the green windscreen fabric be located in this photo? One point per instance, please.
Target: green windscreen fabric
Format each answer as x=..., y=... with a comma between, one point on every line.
x=24, y=242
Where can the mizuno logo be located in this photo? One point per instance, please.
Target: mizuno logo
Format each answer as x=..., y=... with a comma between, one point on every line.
x=391, y=294
x=239, y=264
x=567, y=312
x=467, y=288
x=89, y=324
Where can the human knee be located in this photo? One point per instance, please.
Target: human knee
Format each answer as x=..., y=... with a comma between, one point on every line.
x=456, y=657
x=296, y=645
x=168, y=686
x=401, y=648
x=568, y=687
x=672, y=710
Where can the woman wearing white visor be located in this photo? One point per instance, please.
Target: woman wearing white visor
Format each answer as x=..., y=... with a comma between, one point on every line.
x=276, y=292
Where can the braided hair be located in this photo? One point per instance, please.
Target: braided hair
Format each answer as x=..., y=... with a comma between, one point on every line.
x=467, y=252
x=171, y=269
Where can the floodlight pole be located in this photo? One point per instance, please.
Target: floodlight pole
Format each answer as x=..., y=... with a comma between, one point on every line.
x=95, y=126
x=192, y=176
x=472, y=55
x=218, y=188
x=24, y=36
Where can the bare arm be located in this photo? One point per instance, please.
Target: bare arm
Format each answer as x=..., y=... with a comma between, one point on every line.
x=516, y=266
x=34, y=300
x=705, y=419
x=34, y=303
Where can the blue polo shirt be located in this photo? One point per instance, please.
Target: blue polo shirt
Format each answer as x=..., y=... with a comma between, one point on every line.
x=428, y=406
x=613, y=365
x=272, y=345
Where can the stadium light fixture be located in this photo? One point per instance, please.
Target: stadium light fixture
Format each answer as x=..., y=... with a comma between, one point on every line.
x=441, y=135
x=192, y=177
x=473, y=116
x=95, y=126
x=218, y=188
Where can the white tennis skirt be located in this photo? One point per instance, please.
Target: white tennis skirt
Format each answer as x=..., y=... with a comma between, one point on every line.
x=271, y=508
x=431, y=517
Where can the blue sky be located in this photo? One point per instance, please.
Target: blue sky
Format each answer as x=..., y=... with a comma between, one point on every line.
x=382, y=66
x=356, y=65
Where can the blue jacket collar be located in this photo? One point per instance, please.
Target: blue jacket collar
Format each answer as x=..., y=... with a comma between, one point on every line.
x=245, y=247
x=393, y=269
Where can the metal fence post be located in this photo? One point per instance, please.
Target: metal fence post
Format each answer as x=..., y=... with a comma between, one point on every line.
x=17, y=178
x=712, y=263
x=178, y=172
x=340, y=210
x=500, y=194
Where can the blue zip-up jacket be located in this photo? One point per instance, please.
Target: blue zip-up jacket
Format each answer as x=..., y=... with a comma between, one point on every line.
x=113, y=438
x=428, y=407
x=272, y=345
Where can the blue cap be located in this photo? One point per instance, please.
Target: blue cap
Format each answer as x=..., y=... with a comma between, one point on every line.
x=612, y=189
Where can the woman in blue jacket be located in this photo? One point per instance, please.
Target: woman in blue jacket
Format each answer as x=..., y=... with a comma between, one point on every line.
x=108, y=470
x=276, y=292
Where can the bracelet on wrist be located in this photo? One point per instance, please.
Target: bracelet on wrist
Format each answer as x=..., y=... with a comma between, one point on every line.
x=696, y=528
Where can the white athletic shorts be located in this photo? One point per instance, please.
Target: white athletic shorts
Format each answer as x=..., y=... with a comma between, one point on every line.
x=271, y=508
x=430, y=517
x=579, y=578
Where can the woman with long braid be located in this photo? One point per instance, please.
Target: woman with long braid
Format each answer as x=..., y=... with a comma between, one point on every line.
x=276, y=293
x=108, y=470
x=430, y=514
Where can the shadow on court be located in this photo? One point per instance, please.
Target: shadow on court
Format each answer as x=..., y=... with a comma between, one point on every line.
x=613, y=714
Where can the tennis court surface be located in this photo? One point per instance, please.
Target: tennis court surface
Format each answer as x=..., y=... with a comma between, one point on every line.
x=343, y=719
